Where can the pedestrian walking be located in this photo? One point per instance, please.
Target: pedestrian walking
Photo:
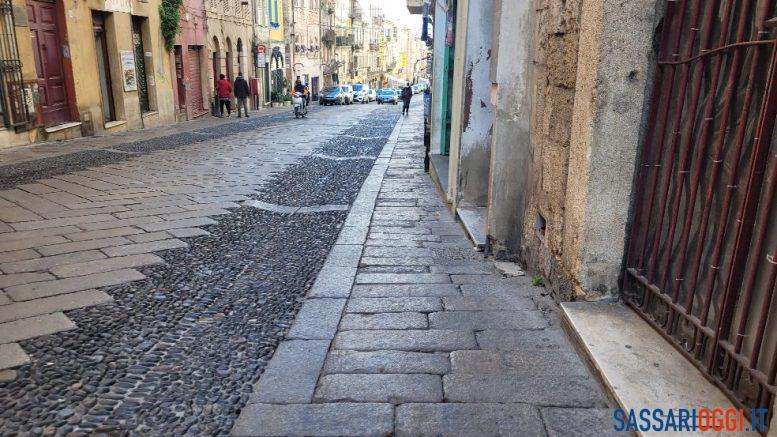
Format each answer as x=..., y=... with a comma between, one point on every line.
x=407, y=94
x=242, y=91
x=224, y=91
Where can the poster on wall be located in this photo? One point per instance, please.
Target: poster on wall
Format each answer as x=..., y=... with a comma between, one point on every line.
x=129, y=76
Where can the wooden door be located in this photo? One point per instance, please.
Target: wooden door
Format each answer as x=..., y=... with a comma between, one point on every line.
x=47, y=49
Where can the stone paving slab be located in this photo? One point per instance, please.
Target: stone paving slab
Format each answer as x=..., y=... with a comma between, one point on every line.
x=37, y=290
x=521, y=339
x=106, y=265
x=530, y=387
x=393, y=304
x=340, y=361
x=64, y=302
x=23, y=329
x=336, y=419
x=480, y=320
x=469, y=419
x=12, y=355
x=582, y=422
x=430, y=340
x=317, y=319
x=392, y=388
x=400, y=320
x=401, y=290
x=292, y=374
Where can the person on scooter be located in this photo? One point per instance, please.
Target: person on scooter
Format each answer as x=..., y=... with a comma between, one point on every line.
x=302, y=89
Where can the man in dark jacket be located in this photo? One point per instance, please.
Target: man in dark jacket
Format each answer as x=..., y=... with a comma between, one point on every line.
x=407, y=94
x=242, y=91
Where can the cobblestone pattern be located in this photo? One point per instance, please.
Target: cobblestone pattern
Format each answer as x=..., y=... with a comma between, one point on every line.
x=430, y=334
x=177, y=351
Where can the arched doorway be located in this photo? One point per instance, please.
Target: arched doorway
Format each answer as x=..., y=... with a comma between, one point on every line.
x=216, y=61
x=229, y=66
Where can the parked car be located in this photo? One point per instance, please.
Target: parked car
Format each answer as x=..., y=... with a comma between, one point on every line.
x=387, y=95
x=360, y=93
x=347, y=93
x=372, y=95
x=333, y=95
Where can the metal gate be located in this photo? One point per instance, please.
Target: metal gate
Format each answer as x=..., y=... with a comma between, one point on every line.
x=702, y=258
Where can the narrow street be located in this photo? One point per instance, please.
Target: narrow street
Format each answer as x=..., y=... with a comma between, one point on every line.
x=148, y=294
x=146, y=290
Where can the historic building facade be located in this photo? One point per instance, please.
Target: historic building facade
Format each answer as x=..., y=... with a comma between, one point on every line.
x=67, y=85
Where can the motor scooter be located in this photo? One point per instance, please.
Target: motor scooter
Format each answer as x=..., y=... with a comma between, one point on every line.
x=300, y=108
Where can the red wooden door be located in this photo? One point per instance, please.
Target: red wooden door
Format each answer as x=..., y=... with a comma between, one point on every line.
x=194, y=82
x=48, y=62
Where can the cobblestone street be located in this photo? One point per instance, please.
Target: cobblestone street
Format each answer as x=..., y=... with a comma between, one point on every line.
x=268, y=276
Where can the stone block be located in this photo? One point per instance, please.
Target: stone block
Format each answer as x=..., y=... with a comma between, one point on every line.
x=487, y=303
x=393, y=304
x=333, y=281
x=46, y=305
x=292, y=373
x=344, y=255
x=337, y=419
x=80, y=246
x=352, y=235
x=138, y=248
x=36, y=326
x=106, y=265
x=524, y=339
x=481, y=419
x=521, y=364
x=23, y=278
x=582, y=422
x=104, y=233
x=317, y=319
x=344, y=361
x=575, y=391
x=480, y=320
x=187, y=232
x=392, y=388
x=12, y=355
x=402, y=278
x=61, y=286
x=384, y=321
x=400, y=290
x=431, y=340
x=173, y=224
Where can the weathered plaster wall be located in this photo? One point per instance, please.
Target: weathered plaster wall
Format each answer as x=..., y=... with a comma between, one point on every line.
x=512, y=76
x=456, y=98
x=119, y=38
x=476, y=111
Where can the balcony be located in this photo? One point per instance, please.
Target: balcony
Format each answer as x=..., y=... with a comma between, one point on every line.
x=415, y=6
x=343, y=41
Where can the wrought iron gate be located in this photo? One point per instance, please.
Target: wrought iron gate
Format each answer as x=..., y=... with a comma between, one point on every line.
x=13, y=105
x=702, y=259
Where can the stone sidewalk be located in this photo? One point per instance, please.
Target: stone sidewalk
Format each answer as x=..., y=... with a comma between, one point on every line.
x=409, y=331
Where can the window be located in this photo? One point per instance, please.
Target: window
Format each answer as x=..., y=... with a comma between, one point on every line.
x=13, y=105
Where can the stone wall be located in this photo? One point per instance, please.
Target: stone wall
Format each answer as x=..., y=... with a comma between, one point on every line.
x=592, y=71
x=556, y=36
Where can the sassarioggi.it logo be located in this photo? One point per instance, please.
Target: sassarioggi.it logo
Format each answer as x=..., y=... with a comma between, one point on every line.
x=689, y=419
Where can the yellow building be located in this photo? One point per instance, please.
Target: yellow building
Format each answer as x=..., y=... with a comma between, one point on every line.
x=85, y=67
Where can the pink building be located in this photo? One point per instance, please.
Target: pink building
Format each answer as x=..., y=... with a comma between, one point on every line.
x=190, y=58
